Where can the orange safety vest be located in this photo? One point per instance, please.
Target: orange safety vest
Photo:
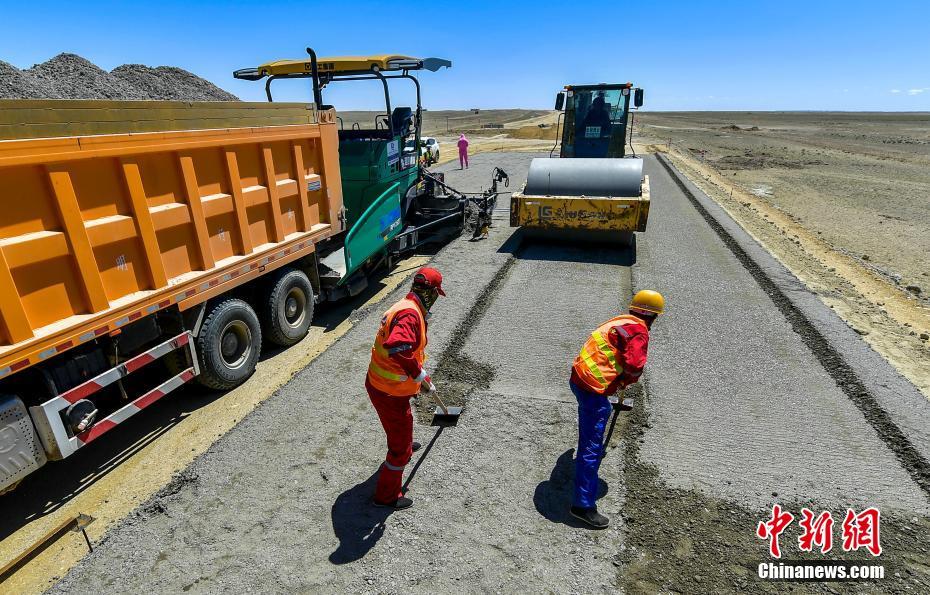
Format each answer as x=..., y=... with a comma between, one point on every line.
x=384, y=373
x=599, y=362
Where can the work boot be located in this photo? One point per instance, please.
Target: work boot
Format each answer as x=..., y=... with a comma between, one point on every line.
x=590, y=516
x=399, y=504
x=416, y=446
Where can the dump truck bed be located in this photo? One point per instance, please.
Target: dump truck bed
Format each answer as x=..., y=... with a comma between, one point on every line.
x=99, y=231
x=581, y=213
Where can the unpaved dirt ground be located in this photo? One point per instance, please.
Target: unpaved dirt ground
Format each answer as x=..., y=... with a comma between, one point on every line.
x=437, y=122
x=765, y=396
x=859, y=179
x=519, y=130
x=840, y=199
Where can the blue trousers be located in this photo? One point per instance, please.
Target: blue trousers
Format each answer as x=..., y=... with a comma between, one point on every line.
x=593, y=412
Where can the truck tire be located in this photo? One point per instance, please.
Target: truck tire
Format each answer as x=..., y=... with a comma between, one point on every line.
x=229, y=344
x=286, y=307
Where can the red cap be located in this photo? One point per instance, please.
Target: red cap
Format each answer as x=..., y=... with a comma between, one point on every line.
x=429, y=277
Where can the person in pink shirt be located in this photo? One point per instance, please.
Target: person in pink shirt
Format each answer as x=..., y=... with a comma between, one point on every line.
x=463, y=152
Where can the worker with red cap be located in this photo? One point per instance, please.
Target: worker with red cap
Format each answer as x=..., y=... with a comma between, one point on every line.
x=612, y=358
x=395, y=375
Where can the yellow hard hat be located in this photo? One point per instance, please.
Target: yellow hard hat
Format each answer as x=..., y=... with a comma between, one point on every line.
x=649, y=301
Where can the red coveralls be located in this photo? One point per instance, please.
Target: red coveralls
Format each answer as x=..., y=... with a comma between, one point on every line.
x=394, y=411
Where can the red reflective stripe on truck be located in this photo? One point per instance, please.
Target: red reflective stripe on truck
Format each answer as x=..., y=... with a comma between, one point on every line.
x=105, y=425
x=79, y=392
x=98, y=430
x=149, y=398
x=115, y=373
x=156, y=394
x=137, y=362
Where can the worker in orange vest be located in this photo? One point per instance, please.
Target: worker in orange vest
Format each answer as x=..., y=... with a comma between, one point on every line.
x=612, y=358
x=395, y=375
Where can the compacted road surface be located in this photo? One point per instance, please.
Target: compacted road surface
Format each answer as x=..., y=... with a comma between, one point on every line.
x=755, y=394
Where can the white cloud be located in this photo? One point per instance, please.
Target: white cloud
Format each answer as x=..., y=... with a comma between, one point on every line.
x=896, y=90
x=915, y=91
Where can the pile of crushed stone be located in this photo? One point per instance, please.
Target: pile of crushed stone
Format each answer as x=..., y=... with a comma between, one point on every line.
x=14, y=83
x=69, y=76
x=170, y=83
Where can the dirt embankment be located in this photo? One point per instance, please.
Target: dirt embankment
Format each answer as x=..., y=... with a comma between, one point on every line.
x=69, y=76
x=841, y=199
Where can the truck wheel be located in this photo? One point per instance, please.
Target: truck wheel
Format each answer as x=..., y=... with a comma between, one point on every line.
x=287, y=307
x=229, y=344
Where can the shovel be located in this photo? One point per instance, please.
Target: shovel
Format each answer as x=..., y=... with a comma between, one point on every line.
x=445, y=416
x=627, y=405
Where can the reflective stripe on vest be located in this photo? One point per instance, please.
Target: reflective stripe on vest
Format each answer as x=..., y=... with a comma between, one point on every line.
x=385, y=374
x=598, y=365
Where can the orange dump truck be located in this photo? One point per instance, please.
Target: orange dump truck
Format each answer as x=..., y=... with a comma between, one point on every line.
x=118, y=251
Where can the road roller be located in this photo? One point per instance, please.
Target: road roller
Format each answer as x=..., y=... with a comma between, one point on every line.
x=592, y=190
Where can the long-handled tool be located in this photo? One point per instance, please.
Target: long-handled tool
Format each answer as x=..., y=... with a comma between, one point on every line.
x=625, y=405
x=445, y=416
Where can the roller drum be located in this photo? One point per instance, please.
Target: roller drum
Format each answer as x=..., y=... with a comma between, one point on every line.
x=584, y=177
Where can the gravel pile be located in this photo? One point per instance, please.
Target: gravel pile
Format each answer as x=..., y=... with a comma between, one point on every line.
x=170, y=83
x=15, y=84
x=69, y=76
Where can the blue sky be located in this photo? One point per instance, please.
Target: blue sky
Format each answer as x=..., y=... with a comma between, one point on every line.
x=687, y=55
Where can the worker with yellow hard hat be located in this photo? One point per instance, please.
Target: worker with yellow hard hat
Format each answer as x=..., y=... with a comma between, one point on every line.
x=612, y=358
